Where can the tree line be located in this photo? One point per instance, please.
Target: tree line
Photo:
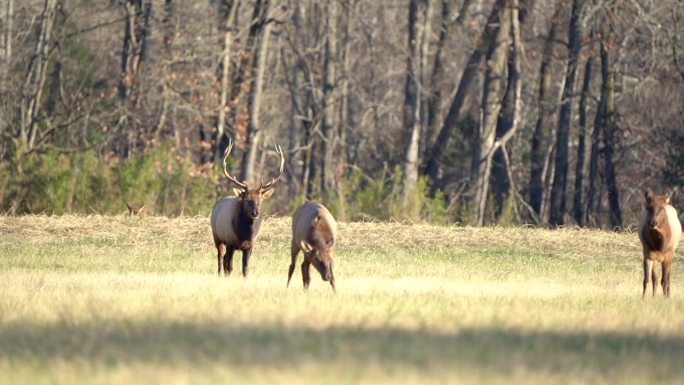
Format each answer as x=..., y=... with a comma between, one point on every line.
x=469, y=111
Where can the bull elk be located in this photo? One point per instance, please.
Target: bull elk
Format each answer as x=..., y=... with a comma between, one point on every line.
x=659, y=232
x=313, y=232
x=235, y=220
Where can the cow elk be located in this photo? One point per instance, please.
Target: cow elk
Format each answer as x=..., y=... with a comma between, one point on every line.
x=134, y=209
x=659, y=232
x=313, y=232
x=235, y=220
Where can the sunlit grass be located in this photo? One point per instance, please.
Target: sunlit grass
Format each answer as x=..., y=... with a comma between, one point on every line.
x=137, y=300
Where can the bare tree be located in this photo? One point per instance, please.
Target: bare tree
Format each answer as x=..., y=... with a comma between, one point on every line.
x=577, y=201
x=419, y=20
x=494, y=83
x=330, y=123
x=260, y=51
x=228, y=11
x=469, y=75
x=509, y=117
x=558, y=189
x=540, y=137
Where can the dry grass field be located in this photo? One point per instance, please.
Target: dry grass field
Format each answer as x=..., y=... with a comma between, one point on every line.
x=127, y=300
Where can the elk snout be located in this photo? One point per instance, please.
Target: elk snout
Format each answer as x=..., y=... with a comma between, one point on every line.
x=653, y=224
x=255, y=213
x=326, y=274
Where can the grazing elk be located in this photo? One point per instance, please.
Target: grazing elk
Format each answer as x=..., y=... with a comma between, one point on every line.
x=659, y=232
x=313, y=232
x=235, y=220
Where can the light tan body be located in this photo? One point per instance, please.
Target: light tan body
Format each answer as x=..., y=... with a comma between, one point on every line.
x=659, y=232
x=313, y=232
x=670, y=246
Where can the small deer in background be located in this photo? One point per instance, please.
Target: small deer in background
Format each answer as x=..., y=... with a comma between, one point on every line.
x=659, y=232
x=134, y=209
x=313, y=232
x=235, y=220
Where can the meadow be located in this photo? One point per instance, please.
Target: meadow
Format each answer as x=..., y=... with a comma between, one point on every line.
x=119, y=299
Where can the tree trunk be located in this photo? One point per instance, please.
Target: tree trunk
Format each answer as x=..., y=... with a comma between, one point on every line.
x=496, y=60
x=228, y=9
x=136, y=30
x=418, y=22
x=610, y=136
x=8, y=20
x=509, y=118
x=593, y=188
x=540, y=137
x=330, y=123
x=170, y=27
x=559, y=186
x=35, y=79
x=434, y=98
x=577, y=204
x=255, y=94
x=469, y=75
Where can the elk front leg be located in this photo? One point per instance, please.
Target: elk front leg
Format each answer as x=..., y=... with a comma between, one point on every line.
x=228, y=261
x=648, y=269
x=245, y=261
x=306, y=277
x=294, y=251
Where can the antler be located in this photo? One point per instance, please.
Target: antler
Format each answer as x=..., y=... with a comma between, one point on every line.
x=231, y=178
x=268, y=185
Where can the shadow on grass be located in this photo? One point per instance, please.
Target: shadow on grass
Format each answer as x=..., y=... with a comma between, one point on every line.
x=496, y=350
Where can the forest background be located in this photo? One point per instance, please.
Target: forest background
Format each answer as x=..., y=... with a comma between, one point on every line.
x=467, y=111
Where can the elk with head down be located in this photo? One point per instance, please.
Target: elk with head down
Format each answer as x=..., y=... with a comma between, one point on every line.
x=313, y=232
x=659, y=232
x=235, y=220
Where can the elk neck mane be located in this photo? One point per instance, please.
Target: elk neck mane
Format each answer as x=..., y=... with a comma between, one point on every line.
x=244, y=226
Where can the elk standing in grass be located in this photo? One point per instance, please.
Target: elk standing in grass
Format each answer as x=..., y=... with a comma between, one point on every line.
x=313, y=232
x=235, y=220
x=659, y=232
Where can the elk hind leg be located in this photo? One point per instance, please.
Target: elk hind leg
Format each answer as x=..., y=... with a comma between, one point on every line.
x=221, y=249
x=666, y=272
x=654, y=280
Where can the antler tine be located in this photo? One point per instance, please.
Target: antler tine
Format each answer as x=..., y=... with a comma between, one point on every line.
x=278, y=151
x=225, y=168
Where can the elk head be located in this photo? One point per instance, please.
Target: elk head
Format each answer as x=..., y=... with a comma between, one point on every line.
x=656, y=216
x=321, y=258
x=251, y=199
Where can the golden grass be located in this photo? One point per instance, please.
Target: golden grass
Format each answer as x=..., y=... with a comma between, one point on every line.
x=109, y=300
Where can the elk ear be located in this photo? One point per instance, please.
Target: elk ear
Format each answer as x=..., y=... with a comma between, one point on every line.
x=267, y=193
x=238, y=192
x=306, y=246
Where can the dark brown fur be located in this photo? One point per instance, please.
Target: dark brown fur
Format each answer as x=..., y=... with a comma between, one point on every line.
x=246, y=224
x=235, y=221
